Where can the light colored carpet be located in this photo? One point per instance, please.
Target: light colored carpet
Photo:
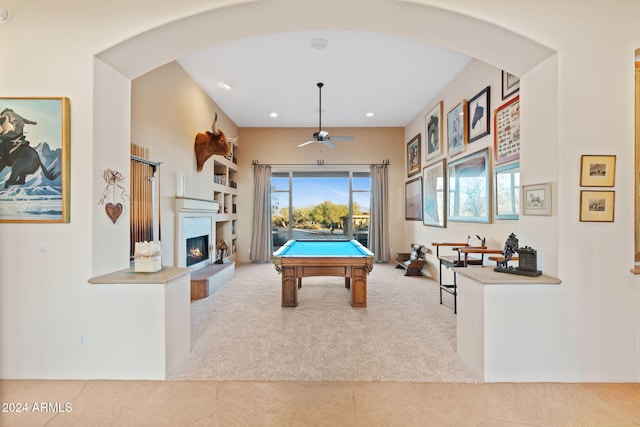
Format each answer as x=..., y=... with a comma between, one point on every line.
x=241, y=332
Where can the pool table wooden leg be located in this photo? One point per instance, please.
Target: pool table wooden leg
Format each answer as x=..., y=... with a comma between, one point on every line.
x=358, y=287
x=289, y=287
x=347, y=282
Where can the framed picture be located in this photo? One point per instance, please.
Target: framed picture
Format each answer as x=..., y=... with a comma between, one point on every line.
x=413, y=199
x=597, y=206
x=507, y=131
x=469, y=189
x=433, y=130
x=510, y=84
x=34, y=159
x=434, y=194
x=478, y=109
x=507, y=191
x=457, y=129
x=414, y=155
x=597, y=171
x=536, y=199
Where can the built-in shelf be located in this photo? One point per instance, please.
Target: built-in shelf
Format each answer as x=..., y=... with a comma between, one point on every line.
x=225, y=193
x=224, y=189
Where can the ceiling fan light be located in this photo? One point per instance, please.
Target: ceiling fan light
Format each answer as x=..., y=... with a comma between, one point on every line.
x=322, y=136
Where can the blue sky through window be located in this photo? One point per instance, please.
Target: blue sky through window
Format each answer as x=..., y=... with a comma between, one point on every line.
x=309, y=191
x=312, y=191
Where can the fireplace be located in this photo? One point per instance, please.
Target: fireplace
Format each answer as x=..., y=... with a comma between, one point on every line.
x=195, y=232
x=197, y=249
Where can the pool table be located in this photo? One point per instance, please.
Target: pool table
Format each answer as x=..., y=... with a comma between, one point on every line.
x=306, y=258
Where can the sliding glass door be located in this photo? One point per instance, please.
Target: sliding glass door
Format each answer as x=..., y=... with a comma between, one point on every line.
x=320, y=205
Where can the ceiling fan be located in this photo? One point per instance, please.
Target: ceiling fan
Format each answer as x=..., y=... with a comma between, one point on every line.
x=323, y=136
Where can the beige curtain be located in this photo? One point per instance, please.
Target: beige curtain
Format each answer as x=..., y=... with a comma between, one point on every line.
x=261, y=243
x=378, y=226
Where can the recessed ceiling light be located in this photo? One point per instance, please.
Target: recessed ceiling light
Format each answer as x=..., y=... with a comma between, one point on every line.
x=319, y=43
x=370, y=114
x=274, y=115
x=5, y=15
x=226, y=86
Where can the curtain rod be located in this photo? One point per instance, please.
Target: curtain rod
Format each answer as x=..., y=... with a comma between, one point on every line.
x=321, y=162
x=143, y=160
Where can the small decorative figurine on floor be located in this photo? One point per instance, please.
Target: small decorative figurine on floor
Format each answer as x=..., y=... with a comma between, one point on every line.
x=527, y=259
x=222, y=249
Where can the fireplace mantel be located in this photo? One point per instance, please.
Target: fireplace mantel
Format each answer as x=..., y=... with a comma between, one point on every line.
x=199, y=205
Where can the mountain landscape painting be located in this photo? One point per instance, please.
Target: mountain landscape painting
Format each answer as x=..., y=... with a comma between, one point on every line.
x=34, y=160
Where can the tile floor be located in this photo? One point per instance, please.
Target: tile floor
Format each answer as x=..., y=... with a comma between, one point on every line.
x=237, y=403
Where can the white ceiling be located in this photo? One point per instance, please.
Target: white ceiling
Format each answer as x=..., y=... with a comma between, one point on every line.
x=362, y=72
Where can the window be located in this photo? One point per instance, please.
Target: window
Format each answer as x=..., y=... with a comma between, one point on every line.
x=507, y=191
x=320, y=205
x=469, y=191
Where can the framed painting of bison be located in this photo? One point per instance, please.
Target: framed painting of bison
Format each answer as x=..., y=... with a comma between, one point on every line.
x=478, y=109
x=34, y=159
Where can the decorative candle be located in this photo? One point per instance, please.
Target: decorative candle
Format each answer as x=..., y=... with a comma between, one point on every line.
x=181, y=185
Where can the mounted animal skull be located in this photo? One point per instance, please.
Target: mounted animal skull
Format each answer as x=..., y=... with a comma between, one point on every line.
x=209, y=143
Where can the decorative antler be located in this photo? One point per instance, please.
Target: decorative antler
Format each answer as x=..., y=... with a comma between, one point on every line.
x=213, y=125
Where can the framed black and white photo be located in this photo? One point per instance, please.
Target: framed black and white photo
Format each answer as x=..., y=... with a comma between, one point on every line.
x=478, y=109
x=597, y=206
x=457, y=129
x=433, y=130
x=536, y=199
x=597, y=171
x=510, y=84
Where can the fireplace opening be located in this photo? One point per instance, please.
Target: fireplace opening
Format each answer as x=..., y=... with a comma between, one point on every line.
x=197, y=249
